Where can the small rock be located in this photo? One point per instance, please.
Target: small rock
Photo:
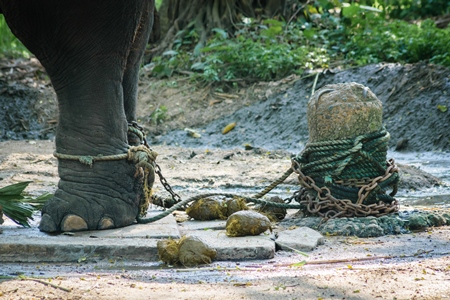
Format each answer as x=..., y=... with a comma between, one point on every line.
x=401, y=145
x=302, y=239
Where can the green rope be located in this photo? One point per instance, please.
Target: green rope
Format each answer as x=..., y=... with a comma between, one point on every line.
x=358, y=158
x=89, y=160
x=274, y=184
x=137, y=132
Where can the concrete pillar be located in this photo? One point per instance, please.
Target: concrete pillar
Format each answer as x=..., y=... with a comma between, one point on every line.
x=343, y=111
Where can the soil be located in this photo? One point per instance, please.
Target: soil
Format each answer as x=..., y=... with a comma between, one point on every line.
x=273, y=115
x=270, y=118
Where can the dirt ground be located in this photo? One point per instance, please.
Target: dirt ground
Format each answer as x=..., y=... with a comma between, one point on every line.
x=408, y=266
x=271, y=118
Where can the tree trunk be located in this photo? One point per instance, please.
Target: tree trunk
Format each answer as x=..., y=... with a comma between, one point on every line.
x=178, y=17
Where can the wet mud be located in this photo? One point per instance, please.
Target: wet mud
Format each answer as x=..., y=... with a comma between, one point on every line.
x=28, y=108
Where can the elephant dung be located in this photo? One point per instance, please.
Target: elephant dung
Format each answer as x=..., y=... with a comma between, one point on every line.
x=273, y=213
x=168, y=251
x=343, y=111
x=209, y=209
x=193, y=251
x=189, y=251
x=247, y=222
x=234, y=205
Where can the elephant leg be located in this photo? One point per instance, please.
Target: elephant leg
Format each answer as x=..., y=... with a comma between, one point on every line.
x=131, y=75
x=84, y=46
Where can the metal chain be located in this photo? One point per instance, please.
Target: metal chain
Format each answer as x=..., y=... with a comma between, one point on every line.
x=327, y=206
x=176, y=198
x=166, y=185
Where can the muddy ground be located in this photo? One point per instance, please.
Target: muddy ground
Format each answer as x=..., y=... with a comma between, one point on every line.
x=271, y=118
x=406, y=266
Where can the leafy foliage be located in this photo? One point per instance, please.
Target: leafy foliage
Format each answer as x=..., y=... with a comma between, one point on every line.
x=410, y=9
x=257, y=52
x=372, y=39
x=159, y=115
x=323, y=33
x=19, y=207
x=328, y=32
x=10, y=46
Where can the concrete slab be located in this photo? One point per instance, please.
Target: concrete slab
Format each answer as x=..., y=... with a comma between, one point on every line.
x=237, y=248
x=203, y=225
x=162, y=229
x=135, y=242
x=301, y=238
x=72, y=249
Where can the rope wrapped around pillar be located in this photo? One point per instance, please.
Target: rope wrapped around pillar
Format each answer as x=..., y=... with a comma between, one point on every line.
x=343, y=169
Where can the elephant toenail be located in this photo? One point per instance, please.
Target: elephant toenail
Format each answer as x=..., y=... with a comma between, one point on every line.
x=73, y=223
x=47, y=224
x=106, y=223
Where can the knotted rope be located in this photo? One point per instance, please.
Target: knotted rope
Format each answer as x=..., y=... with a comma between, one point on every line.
x=348, y=177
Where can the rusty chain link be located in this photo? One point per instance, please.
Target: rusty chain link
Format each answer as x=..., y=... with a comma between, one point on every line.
x=327, y=206
x=155, y=199
x=175, y=197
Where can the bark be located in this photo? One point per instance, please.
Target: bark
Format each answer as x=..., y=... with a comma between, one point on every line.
x=177, y=17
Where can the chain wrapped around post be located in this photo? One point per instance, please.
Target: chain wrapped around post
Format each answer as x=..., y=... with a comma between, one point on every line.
x=325, y=177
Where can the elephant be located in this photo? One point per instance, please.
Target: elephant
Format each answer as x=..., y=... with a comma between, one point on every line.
x=91, y=51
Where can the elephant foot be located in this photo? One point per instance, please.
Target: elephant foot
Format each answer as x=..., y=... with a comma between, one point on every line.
x=57, y=216
x=102, y=197
x=69, y=223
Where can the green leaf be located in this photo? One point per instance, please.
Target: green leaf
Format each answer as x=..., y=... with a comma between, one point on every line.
x=198, y=66
x=273, y=22
x=14, y=189
x=20, y=208
x=350, y=11
x=370, y=8
x=442, y=108
x=299, y=264
x=309, y=33
x=220, y=32
x=18, y=212
x=170, y=53
x=216, y=48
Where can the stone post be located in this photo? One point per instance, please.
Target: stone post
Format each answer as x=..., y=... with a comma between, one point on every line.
x=343, y=166
x=343, y=111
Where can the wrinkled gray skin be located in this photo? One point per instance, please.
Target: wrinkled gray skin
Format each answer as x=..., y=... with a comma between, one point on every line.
x=91, y=50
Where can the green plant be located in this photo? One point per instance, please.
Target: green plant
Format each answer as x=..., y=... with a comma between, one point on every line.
x=18, y=207
x=326, y=32
x=372, y=39
x=10, y=46
x=266, y=51
x=159, y=115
